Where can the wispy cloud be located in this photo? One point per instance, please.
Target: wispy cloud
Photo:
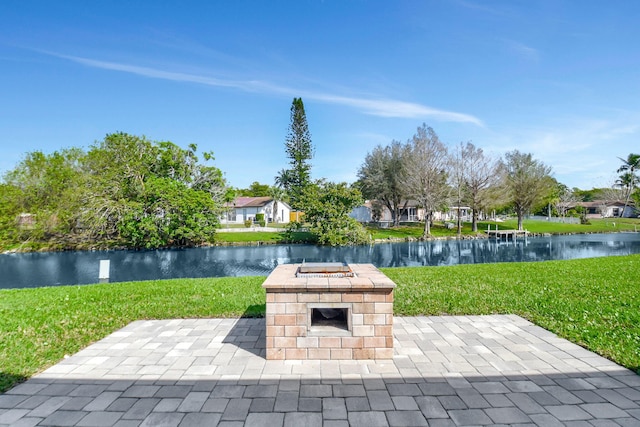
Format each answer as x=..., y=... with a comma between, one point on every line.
x=522, y=50
x=478, y=7
x=583, y=152
x=377, y=107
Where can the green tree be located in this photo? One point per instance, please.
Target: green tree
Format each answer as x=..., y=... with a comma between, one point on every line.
x=152, y=194
x=380, y=178
x=527, y=182
x=327, y=206
x=278, y=195
x=629, y=177
x=299, y=151
x=48, y=187
x=125, y=191
x=255, y=190
x=9, y=214
x=426, y=173
x=482, y=177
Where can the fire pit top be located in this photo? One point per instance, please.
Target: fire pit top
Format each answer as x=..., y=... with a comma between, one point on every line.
x=291, y=278
x=324, y=269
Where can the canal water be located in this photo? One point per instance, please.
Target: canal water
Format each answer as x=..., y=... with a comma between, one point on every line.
x=70, y=268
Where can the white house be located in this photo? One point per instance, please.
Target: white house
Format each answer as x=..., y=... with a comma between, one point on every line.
x=246, y=208
x=605, y=209
x=410, y=212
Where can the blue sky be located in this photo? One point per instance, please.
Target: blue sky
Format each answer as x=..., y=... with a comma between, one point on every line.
x=558, y=79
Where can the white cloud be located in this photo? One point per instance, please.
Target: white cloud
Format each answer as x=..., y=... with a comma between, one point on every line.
x=522, y=50
x=376, y=107
x=583, y=152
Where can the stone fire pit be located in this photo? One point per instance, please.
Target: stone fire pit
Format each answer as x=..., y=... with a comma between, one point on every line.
x=329, y=311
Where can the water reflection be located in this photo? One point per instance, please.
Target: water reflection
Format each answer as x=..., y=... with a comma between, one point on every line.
x=47, y=269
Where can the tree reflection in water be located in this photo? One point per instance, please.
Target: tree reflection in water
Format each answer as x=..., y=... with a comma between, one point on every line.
x=55, y=268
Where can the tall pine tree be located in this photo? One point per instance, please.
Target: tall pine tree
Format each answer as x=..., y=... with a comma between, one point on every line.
x=299, y=151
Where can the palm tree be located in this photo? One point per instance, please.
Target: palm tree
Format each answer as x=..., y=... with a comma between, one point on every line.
x=628, y=179
x=276, y=193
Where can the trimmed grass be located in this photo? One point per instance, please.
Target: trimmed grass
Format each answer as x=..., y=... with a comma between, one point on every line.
x=601, y=225
x=263, y=236
x=609, y=225
x=592, y=302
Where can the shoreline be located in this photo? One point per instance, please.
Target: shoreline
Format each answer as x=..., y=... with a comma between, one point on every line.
x=478, y=236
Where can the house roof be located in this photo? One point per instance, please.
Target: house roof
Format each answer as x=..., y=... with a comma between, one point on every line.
x=599, y=203
x=250, y=202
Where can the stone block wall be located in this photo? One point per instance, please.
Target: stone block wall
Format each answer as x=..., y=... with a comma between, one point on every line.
x=367, y=298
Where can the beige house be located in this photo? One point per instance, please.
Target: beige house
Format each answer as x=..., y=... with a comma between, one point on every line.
x=605, y=209
x=411, y=212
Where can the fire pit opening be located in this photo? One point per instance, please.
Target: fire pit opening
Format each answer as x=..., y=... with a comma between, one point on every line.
x=327, y=318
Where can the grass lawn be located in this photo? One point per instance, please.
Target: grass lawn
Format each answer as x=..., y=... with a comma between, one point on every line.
x=592, y=302
x=263, y=236
x=608, y=225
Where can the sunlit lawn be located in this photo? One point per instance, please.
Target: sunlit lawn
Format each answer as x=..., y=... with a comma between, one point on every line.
x=607, y=225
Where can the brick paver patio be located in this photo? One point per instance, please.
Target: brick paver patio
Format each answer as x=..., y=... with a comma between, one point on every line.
x=446, y=371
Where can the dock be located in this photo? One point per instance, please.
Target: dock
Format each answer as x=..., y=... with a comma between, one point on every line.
x=506, y=234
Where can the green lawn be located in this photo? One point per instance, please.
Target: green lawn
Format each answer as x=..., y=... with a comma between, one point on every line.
x=608, y=225
x=592, y=302
x=263, y=237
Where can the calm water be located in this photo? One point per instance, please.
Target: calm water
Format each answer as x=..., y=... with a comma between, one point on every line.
x=66, y=268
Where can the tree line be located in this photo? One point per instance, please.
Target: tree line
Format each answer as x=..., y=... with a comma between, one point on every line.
x=125, y=191
x=129, y=192
x=437, y=177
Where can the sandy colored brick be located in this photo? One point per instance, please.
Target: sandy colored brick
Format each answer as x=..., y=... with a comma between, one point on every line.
x=271, y=297
x=275, y=353
x=384, y=307
x=352, y=342
x=295, y=331
x=363, y=331
x=352, y=297
x=275, y=331
x=384, y=353
x=383, y=330
x=375, y=319
x=357, y=319
x=301, y=319
x=341, y=354
x=295, y=308
x=328, y=342
x=368, y=307
x=308, y=297
x=276, y=308
x=374, y=297
x=296, y=353
x=319, y=353
x=284, y=342
x=330, y=297
x=373, y=342
x=287, y=297
x=389, y=297
x=307, y=342
x=285, y=320
x=270, y=320
x=364, y=353
x=388, y=342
